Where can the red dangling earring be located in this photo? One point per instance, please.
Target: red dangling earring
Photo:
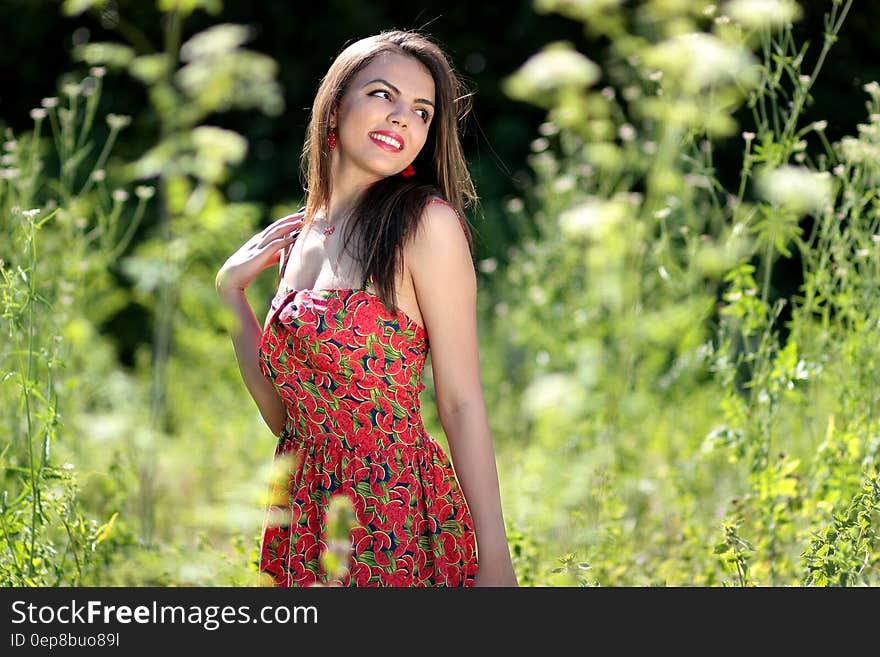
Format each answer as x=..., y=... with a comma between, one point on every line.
x=331, y=139
x=409, y=172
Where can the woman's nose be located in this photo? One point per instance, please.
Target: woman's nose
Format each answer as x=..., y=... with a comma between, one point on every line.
x=397, y=117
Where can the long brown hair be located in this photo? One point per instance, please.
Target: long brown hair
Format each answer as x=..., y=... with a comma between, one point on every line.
x=388, y=210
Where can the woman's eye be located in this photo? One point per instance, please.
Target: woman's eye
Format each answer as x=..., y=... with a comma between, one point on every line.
x=426, y=116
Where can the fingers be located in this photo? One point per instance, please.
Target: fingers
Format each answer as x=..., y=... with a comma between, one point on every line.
x=292, y=220
x=278, y=243
x=285, y=225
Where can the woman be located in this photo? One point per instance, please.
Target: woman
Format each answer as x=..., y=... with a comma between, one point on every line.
x=336, y=369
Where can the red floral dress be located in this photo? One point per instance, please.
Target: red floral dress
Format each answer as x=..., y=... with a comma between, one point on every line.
x=349, y=373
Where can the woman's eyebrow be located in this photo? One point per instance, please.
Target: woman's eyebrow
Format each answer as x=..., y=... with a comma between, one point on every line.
x=397, y=91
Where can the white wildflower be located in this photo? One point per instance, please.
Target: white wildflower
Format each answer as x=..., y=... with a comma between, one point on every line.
x=564, y=183
x=763, y=13
x=857, y=151
x=872, y=88
x=144, y=191
x=697, y=60
x=219, y=144
x=540, y=144
x=548, y=393
x=627, y=132
x=795, y=188
x=556, y=67
x=71, y=89
x=216, y=40
x=593, y=218
x=631, y=92
x=537, y=295
x=118, y=121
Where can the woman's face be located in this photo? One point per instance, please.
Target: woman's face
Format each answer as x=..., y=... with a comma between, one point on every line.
x=389, y=100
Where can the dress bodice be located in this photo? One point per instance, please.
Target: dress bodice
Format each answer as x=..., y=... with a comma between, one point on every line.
x=339, y=351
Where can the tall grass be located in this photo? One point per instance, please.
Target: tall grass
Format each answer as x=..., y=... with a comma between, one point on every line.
x=112, y=473
x=54, y=269
x=669, y=429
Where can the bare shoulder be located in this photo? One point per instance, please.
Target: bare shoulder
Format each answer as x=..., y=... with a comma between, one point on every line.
x=438, y=213
x=438, y=223
x=439, y=247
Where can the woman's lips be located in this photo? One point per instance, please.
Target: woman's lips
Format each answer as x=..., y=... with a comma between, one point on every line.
x=386, y=146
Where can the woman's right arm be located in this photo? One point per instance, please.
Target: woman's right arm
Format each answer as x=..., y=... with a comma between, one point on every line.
x=246, y=341
x=259, y=252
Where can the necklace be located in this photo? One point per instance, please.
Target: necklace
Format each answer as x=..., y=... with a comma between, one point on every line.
x=327, y=232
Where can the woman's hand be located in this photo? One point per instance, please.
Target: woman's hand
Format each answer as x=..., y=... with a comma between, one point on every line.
x=259, y=252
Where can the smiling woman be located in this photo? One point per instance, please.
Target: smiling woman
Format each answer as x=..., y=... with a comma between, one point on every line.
x=336, y=368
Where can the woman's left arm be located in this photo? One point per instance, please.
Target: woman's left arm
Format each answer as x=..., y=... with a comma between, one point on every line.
x=445, y=282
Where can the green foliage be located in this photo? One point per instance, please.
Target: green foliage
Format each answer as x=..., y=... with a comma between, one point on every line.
x=151, y=464
x=840, y=554
x=664, y=423
x=655, y=420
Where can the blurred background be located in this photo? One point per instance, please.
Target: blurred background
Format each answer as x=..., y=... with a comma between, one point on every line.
x=676, y=251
